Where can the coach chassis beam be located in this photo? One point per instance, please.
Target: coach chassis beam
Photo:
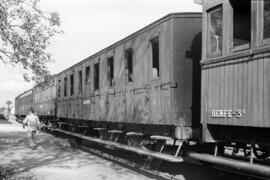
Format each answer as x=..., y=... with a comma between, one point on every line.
x=239, y=167
x=255, y=170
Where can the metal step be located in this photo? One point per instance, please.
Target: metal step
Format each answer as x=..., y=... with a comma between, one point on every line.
x=158, y=155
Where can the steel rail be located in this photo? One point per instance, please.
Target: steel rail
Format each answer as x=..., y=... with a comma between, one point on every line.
x=255, y=170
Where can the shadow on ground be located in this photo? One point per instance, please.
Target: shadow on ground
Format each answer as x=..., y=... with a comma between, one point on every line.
x=49, y=152
x=3, y=121
x=56, y=157
x=56, y=154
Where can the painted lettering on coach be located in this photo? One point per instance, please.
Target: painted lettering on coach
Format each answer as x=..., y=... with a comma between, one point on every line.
x=227, y=113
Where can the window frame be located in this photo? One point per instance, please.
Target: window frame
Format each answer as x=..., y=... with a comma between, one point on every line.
x=242, y=47
x=227, y=44
x=129, y=72
x=153, y=41
x=71, y=89
x=59, y=89
x=80, y=82
x=110, y=71
x=96, y=82
x=87, y=76
x=210, y=55
x=65, y=86
x=263, y=41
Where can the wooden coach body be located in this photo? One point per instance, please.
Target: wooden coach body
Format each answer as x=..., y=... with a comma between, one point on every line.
x=236, y=70
x=44, y=95
x=23, y=103
x=148, y=82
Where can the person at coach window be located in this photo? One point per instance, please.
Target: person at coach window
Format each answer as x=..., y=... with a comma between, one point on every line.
x=32, y=123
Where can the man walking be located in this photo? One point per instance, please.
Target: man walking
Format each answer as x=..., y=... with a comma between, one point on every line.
x=33, y=125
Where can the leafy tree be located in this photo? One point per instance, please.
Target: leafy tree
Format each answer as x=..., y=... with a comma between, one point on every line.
x=9, y=107
x=8, y=104
x=25, y=31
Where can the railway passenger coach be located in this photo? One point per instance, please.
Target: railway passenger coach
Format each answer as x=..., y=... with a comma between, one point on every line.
x=236, y=73
x=44, y=100
x=148, y=82
x=23, y=103
x=156, y=85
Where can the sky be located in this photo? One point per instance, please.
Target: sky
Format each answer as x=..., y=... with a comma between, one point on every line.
x=89, y=26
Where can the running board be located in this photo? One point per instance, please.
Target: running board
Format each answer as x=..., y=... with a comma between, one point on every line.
x=140, y=151
x=236, y=166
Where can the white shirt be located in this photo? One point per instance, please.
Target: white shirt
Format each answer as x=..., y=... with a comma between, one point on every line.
x=32, y=122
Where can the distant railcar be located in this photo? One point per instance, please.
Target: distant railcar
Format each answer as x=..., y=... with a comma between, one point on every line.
x=44, y=95
x=23, y=103
x=148, y=82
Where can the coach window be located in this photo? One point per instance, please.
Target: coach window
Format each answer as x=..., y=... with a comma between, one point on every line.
x=96, y=76
x=110, y=70
x=241, y=24
x=80, y=83
x=59, y=88
x=155, y=57
x=129, y=64
x=71, y=85
x=214, y=36
x=87, y=75
x=266, y=20
x=65, y=86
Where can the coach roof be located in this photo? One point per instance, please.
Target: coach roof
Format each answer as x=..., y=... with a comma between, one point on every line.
x=135, y=34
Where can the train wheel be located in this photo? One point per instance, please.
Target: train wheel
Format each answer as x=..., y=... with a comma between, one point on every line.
x=261, y=152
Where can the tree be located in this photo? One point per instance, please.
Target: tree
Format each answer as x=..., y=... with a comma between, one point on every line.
x=9, y=107
x=25, y=33
x=8, y=103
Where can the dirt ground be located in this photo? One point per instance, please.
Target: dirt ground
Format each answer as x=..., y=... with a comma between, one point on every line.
x=53, y=159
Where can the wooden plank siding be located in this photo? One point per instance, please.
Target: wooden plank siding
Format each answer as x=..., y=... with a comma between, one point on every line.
x=26, y=102
x=266, y=94
x=240, y=84
x=165, y=100
x=43, y=98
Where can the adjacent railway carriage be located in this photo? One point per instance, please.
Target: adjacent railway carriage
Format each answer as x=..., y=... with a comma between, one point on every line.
x=23, y=103
x=148, y=82
x=236, y=73
x=44, y=95
x=157, y=85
